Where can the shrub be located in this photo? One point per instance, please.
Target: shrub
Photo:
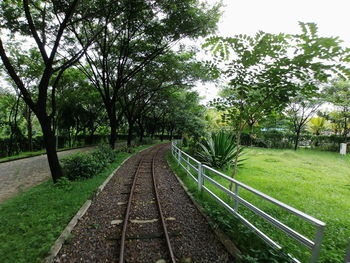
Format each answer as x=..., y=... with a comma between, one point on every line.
x=87, y=165
x=147, y=140
x=218, y=150
x=125, y=149
x=80, y=165
x=275, y=139
x=104, y=153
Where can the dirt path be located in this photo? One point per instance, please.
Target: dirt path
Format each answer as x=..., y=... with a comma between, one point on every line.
x=96, y=237
x=20, y=175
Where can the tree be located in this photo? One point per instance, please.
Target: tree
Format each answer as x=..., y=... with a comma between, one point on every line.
x=79, y=106
x=214, y=120
x=338, y=93
x=299, y=111
x=134, y=34
x=175, y=112
x=46, y=24
x=317, y=125
x=266, y=71
x=29, y=72
x=10, y=120
x=160, y=81
x=185, y=115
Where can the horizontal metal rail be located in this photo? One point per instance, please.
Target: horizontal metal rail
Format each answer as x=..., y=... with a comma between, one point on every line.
x=189, y=156
x=245, y=221
x=269, y=198
x=189, y=172
x=305, y=241
x=202, y=170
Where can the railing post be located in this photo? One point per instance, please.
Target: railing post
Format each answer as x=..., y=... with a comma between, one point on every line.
x=200, y=176
x=188, y=163
x=236, y=195
x=315, y=253
x=179, y=157
x=347, y=255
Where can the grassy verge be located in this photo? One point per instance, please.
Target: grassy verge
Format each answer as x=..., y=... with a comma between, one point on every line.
x=40, y=152
x=315, y=182
x=32, y=221
x=36, y=153
x=24, y=155
x=253, y=249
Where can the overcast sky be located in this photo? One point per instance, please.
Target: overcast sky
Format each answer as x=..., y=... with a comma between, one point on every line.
x=275, y=16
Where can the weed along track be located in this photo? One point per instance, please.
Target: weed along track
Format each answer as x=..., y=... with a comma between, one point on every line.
x=145, y=236
x=143, y=215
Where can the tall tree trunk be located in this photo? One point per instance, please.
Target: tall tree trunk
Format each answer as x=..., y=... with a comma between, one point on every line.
x=162, y=135
x=50, y=145
x=69, y=138
x=10, y=147
x=238, y=149
x=113, y=127
x=251, y=127
x=238, y=145
x=130, y=130
x=142, y=133
x=13, y=126
x=76, y=143
x=296, y=143
x=91, y=136
x=28, y=114
x=142, y=130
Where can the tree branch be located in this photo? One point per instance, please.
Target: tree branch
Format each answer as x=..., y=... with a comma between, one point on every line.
x=34, y=32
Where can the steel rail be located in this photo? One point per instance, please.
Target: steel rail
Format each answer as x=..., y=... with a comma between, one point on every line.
x=127, y=214
x=170, y=250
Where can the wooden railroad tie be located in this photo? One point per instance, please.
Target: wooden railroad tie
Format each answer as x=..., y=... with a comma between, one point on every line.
x=146, y=236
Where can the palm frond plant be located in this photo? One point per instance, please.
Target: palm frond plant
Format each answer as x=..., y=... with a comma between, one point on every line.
x=219, y=150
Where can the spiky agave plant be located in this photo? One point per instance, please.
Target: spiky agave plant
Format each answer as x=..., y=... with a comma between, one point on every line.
x=218, y=150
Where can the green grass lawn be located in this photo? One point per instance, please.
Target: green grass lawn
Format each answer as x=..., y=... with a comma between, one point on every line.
x=315, y=182
x=32, y=221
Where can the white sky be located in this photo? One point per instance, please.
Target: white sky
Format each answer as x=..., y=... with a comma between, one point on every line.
x=275, y=16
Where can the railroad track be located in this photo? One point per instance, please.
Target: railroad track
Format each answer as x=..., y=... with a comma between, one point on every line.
x=145, y=237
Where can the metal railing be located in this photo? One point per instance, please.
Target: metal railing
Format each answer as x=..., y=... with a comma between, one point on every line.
x=199, y=173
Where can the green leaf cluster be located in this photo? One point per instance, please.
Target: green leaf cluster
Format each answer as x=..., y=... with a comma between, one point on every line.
x=219, y=150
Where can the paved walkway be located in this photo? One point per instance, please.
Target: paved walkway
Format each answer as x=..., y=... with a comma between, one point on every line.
x=20, y=175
